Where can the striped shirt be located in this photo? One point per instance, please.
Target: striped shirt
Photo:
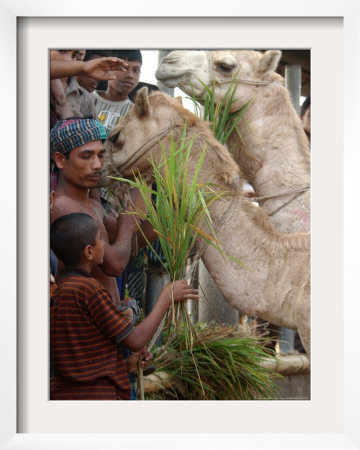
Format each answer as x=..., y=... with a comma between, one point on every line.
x=85, y=331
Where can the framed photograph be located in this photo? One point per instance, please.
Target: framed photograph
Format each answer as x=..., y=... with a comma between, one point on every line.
x=28, y=419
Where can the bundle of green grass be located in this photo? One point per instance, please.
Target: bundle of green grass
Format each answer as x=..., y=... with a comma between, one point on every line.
x=224, y=363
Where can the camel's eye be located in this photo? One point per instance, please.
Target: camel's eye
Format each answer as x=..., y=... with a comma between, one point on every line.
x=226, y=64
x=225, y=68
x=114, y=137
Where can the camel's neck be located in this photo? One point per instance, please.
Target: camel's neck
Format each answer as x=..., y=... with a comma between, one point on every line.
x=276, y=269
x=218, y=167
x=276, y=159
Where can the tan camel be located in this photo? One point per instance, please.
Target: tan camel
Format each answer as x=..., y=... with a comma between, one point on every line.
x=274, y=154
x=275, y=286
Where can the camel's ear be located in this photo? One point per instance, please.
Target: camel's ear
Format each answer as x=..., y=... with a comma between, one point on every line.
x=142, y=102
x=179, y=100
x=269, y=61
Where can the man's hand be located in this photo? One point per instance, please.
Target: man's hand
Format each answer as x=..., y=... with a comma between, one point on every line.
x=136, y=201
x=129, y=216
x=99, y=68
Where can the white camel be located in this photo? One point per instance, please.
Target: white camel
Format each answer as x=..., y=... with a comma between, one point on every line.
x=276, y=285
x=273, y=151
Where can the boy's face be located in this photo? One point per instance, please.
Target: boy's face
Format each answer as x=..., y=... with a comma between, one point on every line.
x=80, y=55
x=126, y=82
x=98, y=249
x=83, y=168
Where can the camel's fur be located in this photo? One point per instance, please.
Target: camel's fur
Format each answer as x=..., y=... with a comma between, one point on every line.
x=275, y=286
x=273, y=152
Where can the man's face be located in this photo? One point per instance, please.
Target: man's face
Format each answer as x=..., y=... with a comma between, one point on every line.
x=63, y=55
x=83, y=168
x=127, y=81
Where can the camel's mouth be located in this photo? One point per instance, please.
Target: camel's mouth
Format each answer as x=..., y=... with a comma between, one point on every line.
x=103, y=181
x=171, y=79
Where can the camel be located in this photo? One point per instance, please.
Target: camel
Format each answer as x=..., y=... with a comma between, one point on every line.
x=275, y=286
x=273, y=151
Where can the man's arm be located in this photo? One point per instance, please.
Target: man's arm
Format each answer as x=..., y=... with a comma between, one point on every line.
x=135, y=202
x=96, y=68
x=117, y=254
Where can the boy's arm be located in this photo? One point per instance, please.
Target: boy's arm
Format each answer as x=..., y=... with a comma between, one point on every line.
x=180, y=291
x=95, y=68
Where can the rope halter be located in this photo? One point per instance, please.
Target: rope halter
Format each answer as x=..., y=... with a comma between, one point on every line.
x=141, y=151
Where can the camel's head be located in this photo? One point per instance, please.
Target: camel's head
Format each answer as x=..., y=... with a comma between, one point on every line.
x=147, y=129
x=136, y=137
x=184, y=69
x=189, y=70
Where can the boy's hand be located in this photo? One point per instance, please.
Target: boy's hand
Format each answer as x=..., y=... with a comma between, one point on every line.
x=146, y=358
x=180, y=290
x=99, y=68
x=132, y=361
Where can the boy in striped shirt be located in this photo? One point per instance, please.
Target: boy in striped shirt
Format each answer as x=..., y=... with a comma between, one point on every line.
x=86, y=327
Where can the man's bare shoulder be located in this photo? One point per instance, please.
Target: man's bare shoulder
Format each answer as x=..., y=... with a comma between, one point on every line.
x=61, y=205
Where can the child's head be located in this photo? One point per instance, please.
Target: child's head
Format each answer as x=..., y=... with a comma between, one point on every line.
x=126, y=55
x=126, y=81
x=75, y=239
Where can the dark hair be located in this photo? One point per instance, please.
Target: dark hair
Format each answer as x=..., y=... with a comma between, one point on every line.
x=130, y=55
x=70, y=234
x=90, y=54
x=305, y=106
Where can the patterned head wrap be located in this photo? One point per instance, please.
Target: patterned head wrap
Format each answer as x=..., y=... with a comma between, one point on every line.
x=71, y=133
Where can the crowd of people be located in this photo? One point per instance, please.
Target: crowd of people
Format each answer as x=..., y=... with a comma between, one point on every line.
x=95, y=347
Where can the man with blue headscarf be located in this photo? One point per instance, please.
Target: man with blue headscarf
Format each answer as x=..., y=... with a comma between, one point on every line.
x=76, y=147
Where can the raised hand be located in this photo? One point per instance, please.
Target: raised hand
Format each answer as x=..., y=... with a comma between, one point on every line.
x=99, y=68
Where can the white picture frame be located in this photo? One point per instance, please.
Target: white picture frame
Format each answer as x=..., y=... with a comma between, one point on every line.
x=175, y=429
